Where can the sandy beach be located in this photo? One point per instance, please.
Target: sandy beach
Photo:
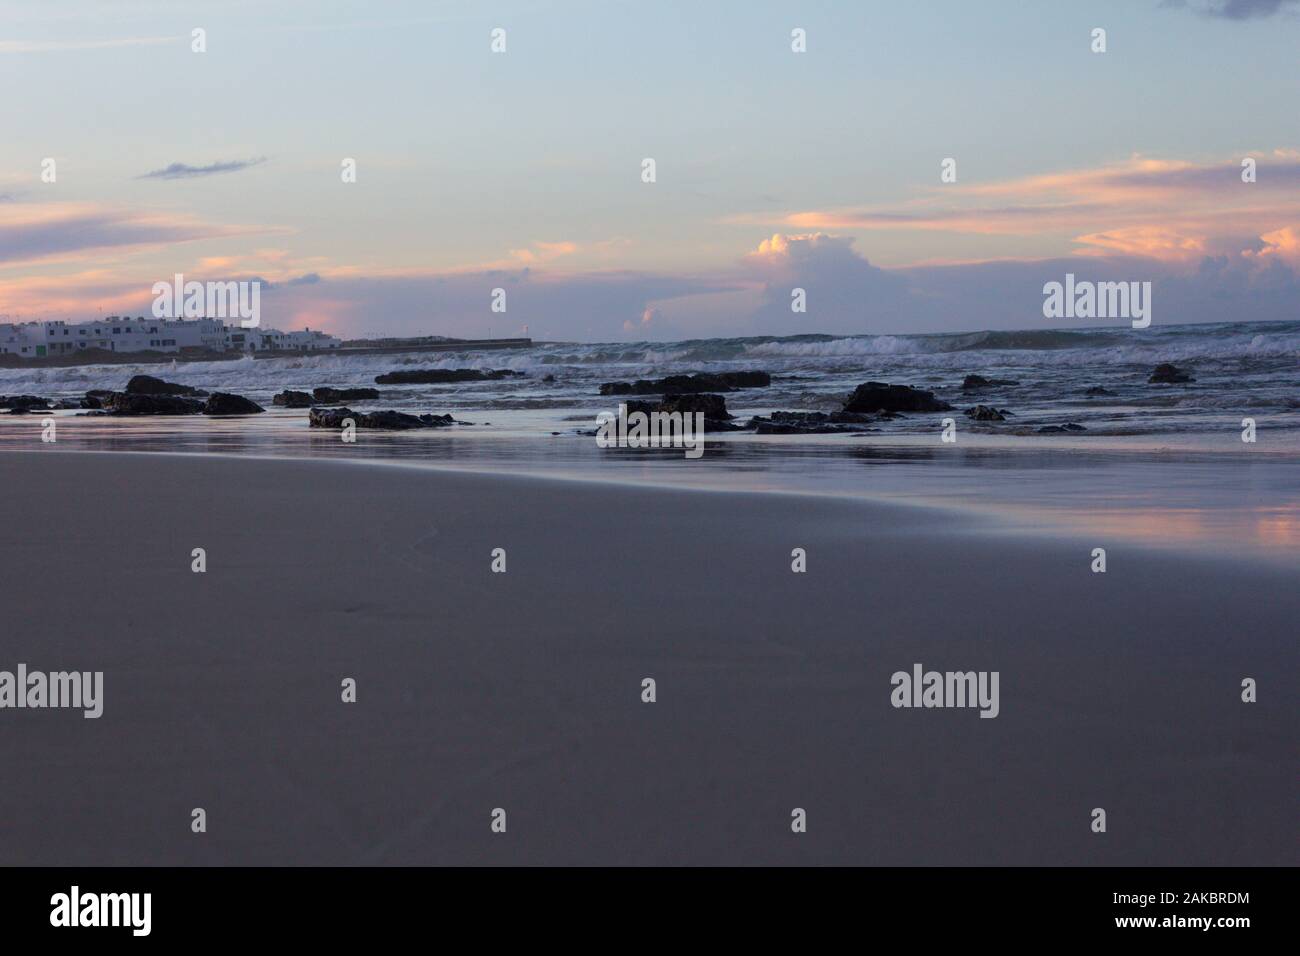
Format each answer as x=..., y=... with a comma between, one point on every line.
x=523, y=690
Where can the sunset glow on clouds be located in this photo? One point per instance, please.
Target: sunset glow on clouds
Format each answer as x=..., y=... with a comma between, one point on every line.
x=1157, y=208
x=794, y=180
x=1137, y=217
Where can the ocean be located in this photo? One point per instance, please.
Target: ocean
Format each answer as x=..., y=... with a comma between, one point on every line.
x=1172, y=454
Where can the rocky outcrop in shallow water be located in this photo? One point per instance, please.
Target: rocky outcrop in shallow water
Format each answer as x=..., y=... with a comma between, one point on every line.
x=987, y=413
x=291, y=399
x=812, y=423
x=148, y=385
x=19, y=404
x=388, y=420
x=687, y=384
x=880, y=397
x=324, y=395
x=713, y=407
x=223, y=403
x=973, y=382
x=121, y=403
x=1059, y=429
x=218, y=403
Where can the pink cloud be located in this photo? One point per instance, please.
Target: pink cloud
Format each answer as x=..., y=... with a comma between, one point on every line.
x=1171, y=210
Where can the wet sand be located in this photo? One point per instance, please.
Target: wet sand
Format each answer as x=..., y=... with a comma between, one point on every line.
x=522, y=690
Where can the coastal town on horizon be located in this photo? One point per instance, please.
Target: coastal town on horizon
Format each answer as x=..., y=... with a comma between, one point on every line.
x=103, y=340
x=114, y=333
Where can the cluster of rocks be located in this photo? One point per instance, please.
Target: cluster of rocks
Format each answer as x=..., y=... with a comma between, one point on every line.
x=987, y=413
x=713, y=407
x=811, y=423
x=689, y=384
x=146, y=395
x=324, y=396
x=870, y=402
x=22, y=404
x=325, y=412
x=391, y=420
x=440, y=376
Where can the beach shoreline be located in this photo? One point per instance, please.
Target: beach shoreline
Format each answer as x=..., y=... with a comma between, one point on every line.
x=523, y=690
x=1163, y=500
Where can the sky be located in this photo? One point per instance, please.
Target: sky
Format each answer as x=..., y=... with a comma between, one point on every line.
x=522, y=170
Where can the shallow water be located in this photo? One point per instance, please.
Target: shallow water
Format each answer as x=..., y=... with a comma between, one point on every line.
x=1241, y=369
x=1239, y=498
x=1163, y=465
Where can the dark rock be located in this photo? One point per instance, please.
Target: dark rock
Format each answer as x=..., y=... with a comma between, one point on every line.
x=438, y=421
x=24, y=402
x=1058, y=429
x=879, y=397
x=120, y=403
x=811, y=423
x=291, y=399
x=328, y=396
x=713, y=407
x=549, y=378
x=438, y=376
x=69, y=403
x=1097, y=391
x=987, y=413
x=148, y=385
x=389, y=420
x=1166, y=374
x=330, y=417
x=223, y=403
x=685, y=384
x=972, y=382
x=91, y=401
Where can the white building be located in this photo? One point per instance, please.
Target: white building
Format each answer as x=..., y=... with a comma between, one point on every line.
x=265, y=340
x=125, y=334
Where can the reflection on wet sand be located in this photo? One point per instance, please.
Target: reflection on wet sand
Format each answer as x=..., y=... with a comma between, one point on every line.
x=1157, y=496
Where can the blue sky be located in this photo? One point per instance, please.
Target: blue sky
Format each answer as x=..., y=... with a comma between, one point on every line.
x=522, y=169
